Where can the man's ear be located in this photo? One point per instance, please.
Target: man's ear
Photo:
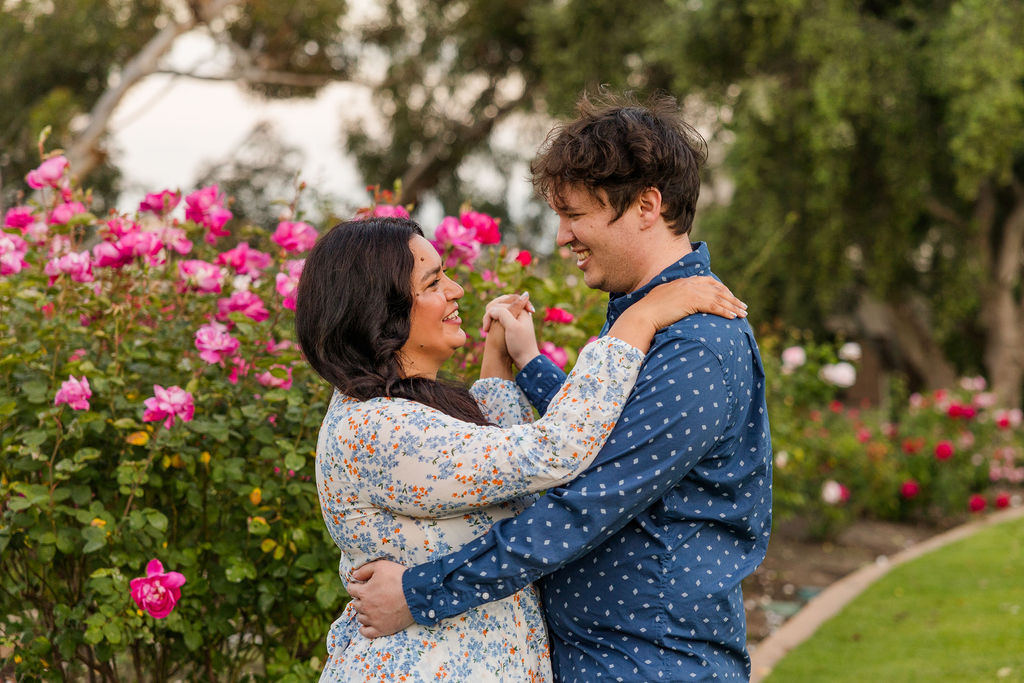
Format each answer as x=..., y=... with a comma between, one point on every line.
x=649, y=205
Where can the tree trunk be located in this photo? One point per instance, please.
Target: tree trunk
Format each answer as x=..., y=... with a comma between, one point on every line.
x=1002, y=307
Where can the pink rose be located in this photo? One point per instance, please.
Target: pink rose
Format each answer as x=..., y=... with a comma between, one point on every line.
x=144, y=244
x=157, y=592
x=119, y=226
x=524, y=258
x=19, y=217
x=557, y=354
x=245, y=302
x=944, y=450
x=76, y=264
x=176, y=239
x=201, y=276
x=48, y=174
x=214, y=343
x=75, y=392
x=295, y=236
x=62, y=213
x=268, y=379
x=108, y=255
x=910, y=489
x=206, y=208
x=383, y=210
x=245, y=260
x=239, y=368
x=287, y=282
x=792, y=358
x=12, y=254
x=160, y=202
x=557, y=315
x=167, y=404
x=484, y=227
x=457, y=241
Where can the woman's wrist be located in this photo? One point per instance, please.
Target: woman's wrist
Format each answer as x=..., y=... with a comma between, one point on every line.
x=635, y=329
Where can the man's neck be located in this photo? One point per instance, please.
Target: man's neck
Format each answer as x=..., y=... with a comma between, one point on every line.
x=663, y=254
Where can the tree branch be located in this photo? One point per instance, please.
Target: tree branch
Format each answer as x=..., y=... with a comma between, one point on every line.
x=85, y=153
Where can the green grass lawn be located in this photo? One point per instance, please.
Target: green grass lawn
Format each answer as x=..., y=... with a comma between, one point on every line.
x=955, y=614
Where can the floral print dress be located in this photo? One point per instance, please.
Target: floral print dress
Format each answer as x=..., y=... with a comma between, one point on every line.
x=403, y=481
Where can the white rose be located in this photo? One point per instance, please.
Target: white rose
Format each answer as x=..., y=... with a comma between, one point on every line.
x=842, y=374
x=792, y=358
x=850, y=351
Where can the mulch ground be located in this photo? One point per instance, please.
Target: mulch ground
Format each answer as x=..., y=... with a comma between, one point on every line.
x=797, y=568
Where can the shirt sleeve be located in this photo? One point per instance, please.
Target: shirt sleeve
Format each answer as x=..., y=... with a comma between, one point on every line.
x=675, y=417
x=414, y=460
x=501, y=401
x=540, y=380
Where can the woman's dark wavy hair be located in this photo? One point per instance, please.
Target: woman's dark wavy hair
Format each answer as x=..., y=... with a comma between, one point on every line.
x=623, y=147
x=352, y=315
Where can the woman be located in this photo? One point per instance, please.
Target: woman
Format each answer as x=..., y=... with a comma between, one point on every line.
x=409, y=466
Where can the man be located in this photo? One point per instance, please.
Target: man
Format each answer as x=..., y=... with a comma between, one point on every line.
x=640, y=559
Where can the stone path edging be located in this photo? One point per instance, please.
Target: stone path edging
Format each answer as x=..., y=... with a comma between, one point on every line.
x=822, y=607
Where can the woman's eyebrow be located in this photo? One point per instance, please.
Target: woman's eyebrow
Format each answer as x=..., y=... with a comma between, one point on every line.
x=430, y=274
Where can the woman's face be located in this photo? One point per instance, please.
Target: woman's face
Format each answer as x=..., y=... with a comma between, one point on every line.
x=435, y=328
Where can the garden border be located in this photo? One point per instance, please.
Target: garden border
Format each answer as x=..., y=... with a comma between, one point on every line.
x=766, y=654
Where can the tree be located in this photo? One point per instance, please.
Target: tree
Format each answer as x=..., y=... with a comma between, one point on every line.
x=877, y=152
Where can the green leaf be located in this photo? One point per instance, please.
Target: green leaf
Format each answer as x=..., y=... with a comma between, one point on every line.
x=36, y=391
x=95, y=538
x=34, y=438
x=294, y=461
x=156, y=519
x=239, y=570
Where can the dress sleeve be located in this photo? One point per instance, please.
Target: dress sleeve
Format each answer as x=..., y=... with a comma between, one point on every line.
x=414, y=460
x=502, y=402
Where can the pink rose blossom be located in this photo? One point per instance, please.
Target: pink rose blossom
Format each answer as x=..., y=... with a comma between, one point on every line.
x=557, y=354
x=143, y=244
x=48, y=174
x=176, y=239
x=19, y=217
x=491, y=276
x=201, y=276
x=245, y=302
x=524, y=258
x=168, y=404
x=287, y=282
x=944, y=450
x=484, y=227
x=239, y=368
x=75, y=392
x=108, y=255
x=62, y=213
x=214, y=343
x=160, y=203
x=383, y=210
x=273, y=348
x=206, y=208
x=910, y=489
x=268, y=379
x=457, y=241
x=12, y=254
x=295, y=236
x=554, y=314
x=76, y=264
x=158, y=592
x=119, y=226
x=245, y=260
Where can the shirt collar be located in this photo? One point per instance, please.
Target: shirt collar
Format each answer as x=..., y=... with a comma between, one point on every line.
x=697, y=262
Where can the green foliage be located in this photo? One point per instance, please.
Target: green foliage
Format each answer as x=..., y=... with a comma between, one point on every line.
x=919, y=458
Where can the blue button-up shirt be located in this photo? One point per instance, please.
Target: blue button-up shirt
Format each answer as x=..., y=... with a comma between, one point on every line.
x=640, y=559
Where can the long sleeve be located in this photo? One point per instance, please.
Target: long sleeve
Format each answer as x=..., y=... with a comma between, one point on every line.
x=413, y=460
x=501, y=402
x=673, y=420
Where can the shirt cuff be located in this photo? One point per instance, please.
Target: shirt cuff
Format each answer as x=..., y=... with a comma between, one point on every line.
x=540, y=379
x=424, y=594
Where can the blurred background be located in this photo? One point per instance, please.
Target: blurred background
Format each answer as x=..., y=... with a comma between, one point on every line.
x=866, y=172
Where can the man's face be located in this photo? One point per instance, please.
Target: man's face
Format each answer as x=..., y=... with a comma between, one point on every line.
x=605, y=249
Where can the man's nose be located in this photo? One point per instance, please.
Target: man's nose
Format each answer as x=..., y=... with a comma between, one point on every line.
x=564, y=235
